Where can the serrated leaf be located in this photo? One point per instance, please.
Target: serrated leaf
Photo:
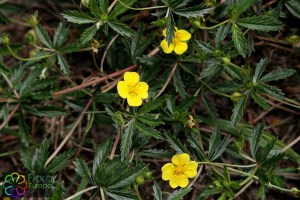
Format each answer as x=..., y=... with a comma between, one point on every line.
x=221, y=34
x=120, y=28
x=170, y=32
x=120, y=195
x=195, y=11
x=277, y=75
x=270, y=90
x=30, y=80
x=179, y=85
x=154, y=153
x=47, y=111
x=60, y=36
x=120, y=8
x=43, y=36
x=128, y=177
x=175, y=143
x=255, y=139
x=210, y=70
x=150, y=120
x=152, y=105
x=88, y=34
x=63, y=64
x=81, y=168
x=101, y=154
x=199, y=152
x=157, y=191
x=294, y=7
x=77, y=17
x=238, y=109
x=209, y=106
x=263, y=152
x=237, y=7
x=147, y=130
x=260, y=68
x=203, y=46
x=126, y=140
x=239, y=40
x=217, y=145
x=259, y=100
x=179, y=194
x=40, y=156
x=260, y=23
x=57, y=193
x=95, y=8
x=60, y=161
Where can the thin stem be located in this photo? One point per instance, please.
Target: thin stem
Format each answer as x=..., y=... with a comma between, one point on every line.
x=112, y=5
x=27, y=59
x=243, y=189
x=11, y=85
x=81, y=192
x=102, y=194
x=289, y=102
x=70, y=133
x=215, y=26
x=19, y=22
x=117, y=139
x=147, y=8
x=291, y=144
x=225, y=164
x=137, y=192
x=249, y=177
x=106, y=50
x=167, y=81
x=9, y=116
x=213, y=90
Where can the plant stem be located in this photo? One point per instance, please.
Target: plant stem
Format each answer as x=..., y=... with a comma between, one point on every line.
x=243, y=189
x=70, y=133
x=27, y=59
x=295, y=141
x=249, y=177
x=215, y=26
x=167, y=81
x=102, y=194
x=225, y=164
x=147, y=8
x=9, y=116
x=136, y=188
x=213, y=90
x=11, y=85
x=81, y=192
x=117, y=139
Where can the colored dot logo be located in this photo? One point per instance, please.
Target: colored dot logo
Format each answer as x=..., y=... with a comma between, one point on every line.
x=15, y=185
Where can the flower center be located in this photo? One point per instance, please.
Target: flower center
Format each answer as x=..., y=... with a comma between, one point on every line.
x=176, y=39
x=133, y=90
x=178, y=170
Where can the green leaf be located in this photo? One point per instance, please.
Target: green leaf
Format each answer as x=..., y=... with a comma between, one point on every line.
x=120, y=195
x=81, y=168
x=260, y=23
x=179, y=194
x=157, y=191
x=47, y=111
x=60, y=161
x=15, y=47
x=121, y=28
x=239, y=40
x=147, y=130
x=259, y=100
x=152, y=105
x=103, y=6
x=179, y=85
x=154, y=153
x=24, y=131
x=260, y=68
x=150, y=120
x=203, y=46
x=270, y=90
x=210, y=70
x=261, y=192
x=95, y=8
x=175, y=143
x=263, y=152
x=294, y=7
x=88, y=34
x=57, y=193
x=128, y=177
x=40, y=156
x=77, y=17
x=209, y=106
x=217, y=145
x=43, y=36
x=63, y=64
x=120, y=9
x=237, y=7
x=30, y=81
x=126, y=140
x=221, y=34
x=277, y=75
x=170, y=32
x=199, y=152
x=60, y=36
x=255, y=139
x=195, y=11
x=238, y=109
x=102, y=153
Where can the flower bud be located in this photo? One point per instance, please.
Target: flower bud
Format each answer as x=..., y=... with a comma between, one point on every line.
x=226, y=60
x=295, y=190
x=30, y=37
x=235, y=97
x=4, y=39
x=140, y=180
x=293, y=39
x=197, y=23
x=85, y=3
x=148, y=175
x=218, y=53
x=32, y=20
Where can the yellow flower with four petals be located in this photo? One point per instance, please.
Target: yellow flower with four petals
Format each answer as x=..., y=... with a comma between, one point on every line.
x=178, y=172
x=179, y=43
x=132, y=89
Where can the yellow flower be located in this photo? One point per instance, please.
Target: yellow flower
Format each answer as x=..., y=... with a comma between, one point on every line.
x=179, y=43
x=132, y=89
x=178, y=172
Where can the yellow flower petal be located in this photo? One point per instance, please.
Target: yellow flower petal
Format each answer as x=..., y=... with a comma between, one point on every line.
x=183, y=35
x=174, y=181
x=142, y=90
x=190, y=169
x=164, y=32
x=183, y=181
x=167, y=171
x=180, y=48
x=180, y=159
x=122, y=89
x=134, y=100
x=131, y=78
x=165, y=47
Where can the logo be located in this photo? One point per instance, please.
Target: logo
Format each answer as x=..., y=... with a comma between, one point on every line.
x=15, y=185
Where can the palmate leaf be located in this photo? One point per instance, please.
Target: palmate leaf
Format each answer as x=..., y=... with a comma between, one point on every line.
x=157, y=191
x=237, y=7
x=81, y=168
x=175, y=143
x=277, y=75
x=63, y=64
x=60, y=161
x=152, y=105
x=195, y=11
x=40, y=156
x=217, y=145
x=88, y=34
x=221, y=34
x=120, y=28
x=43, y=36
x=203, y=46
x=179, y=85
x=60, y=36
x=77, y=17
x=270, y=90
x=259, y=100
x=239, y=40
x=199, y=152
x=238, y=109
x=260, y=68
x=260, y=23
x=126, y=140
x=120, y=8
x=101, y=154
x=30, y=81
x=255, y=139
x=147, y=130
